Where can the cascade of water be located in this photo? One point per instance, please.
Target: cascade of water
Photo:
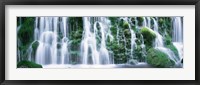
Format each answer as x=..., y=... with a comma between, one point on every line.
x=117, y=35
x=103, y=51
x=18, y=40
x=54, y=46
x=177, y=31
x=159, y=38
x=144, y=22
x=88, y=43
x=159, y=43
x=36, y=30
x=20, y=23
x=178, y=35
x=148, y=22
x=133, y=37
x=46, y=35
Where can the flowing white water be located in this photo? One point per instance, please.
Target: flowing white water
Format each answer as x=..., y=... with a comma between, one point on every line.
x=46, y=34
x=178, y=35
x=89, y=51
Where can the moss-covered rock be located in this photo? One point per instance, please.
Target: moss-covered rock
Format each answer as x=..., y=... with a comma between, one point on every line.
x=126, y=25
x=159, y=59
x=140, y=20
x=28, y=64
x=148, y=35
x=127, y=32
x=161, y=21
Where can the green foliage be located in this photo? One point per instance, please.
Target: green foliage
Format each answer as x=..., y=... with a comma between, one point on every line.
x=140, y=20
x=113, y=20
x=28, y=64
x=148, y=35
x=168, y=40
x=25, y=34
x=159, y=59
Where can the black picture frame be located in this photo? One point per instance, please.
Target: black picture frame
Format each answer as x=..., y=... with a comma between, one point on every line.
x=3, y=3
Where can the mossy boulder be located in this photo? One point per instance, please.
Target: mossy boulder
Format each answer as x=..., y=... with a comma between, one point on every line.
x=127, y=32
x=28, y=64
x=148, y=35
x=159, y=59
x=140, y=20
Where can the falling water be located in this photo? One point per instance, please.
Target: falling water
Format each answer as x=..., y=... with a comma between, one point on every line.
x=46, y=34
x=178, y=35
x=89, y=43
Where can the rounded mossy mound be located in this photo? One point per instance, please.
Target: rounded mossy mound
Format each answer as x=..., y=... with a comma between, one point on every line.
x=148, y=35
x=126, y=25
x=28, y=64
x=159, y=59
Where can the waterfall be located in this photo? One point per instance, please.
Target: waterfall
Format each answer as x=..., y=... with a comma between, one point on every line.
x=89, y=43
x=159, y=43
x=133, y=38
x=97, y=43
x=46, y=34
x=178, y=35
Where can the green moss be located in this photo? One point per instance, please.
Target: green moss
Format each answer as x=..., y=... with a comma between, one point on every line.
x=148, y=35
x=126, y=25
x=161, y=21
x=159, y=59
x=28, y=64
